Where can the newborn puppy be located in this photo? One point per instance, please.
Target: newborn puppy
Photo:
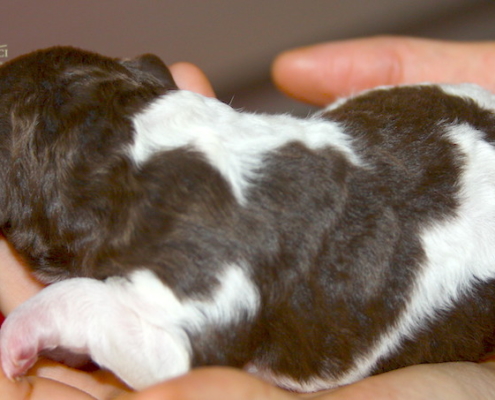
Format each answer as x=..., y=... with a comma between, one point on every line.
x=179, y=232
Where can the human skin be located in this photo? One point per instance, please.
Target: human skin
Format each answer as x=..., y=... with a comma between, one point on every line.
x=318, y=75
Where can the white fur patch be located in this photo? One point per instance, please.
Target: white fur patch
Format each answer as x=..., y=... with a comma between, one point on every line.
x=234, y=143
x=314, y=384
x=235, y=297
x=135, y=327
x=469, y=91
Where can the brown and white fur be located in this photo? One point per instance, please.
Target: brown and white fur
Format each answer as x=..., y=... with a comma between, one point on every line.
x=180, y=232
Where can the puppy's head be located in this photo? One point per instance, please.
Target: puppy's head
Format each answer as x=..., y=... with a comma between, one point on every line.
x=50, y=87
x=47, y=94
x=65, y=114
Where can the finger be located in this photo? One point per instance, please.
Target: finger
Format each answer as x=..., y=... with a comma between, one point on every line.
x=99, y=384
x=35, y=388
x=189, y=77
x=213, y=384
x=46, y=389
x=13, y=390
x=320, y=73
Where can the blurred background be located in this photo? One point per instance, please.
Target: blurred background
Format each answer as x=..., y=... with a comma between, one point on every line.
x=233, y=41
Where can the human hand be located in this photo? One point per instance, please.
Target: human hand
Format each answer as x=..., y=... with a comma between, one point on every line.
x=319, y=74
x=449, y=381
x=49, y=380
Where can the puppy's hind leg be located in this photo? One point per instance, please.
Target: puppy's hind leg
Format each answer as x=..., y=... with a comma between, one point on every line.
x=110, y=321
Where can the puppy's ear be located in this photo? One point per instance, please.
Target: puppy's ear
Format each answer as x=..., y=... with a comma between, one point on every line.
x=154, y=66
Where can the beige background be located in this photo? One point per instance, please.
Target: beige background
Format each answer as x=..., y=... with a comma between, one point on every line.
x=233, y=41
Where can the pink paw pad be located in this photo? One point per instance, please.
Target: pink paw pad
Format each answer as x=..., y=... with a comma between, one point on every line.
x=22, y=337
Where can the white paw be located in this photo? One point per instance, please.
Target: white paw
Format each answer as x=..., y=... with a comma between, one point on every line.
x=40, y=325
x=18, y=354
x=112, y=322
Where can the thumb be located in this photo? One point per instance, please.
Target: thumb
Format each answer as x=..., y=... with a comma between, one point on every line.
x=319, y=74
x=13, y=390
